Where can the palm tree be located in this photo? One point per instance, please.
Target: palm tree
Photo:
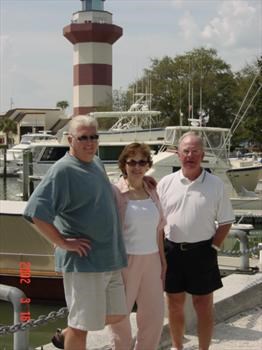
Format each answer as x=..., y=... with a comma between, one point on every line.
x=63, y=105
x=8, y=127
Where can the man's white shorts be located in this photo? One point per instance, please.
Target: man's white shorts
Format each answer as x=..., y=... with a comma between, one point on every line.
x=91, y=296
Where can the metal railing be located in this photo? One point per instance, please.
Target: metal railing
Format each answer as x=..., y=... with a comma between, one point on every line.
x=242, y=232
x=14, y=295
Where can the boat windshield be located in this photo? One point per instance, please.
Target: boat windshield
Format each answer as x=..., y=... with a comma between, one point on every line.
x=27, y=139
x=52, y=154
x=216, y=140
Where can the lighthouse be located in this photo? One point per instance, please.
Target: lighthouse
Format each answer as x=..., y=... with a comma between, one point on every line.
x=92, y=34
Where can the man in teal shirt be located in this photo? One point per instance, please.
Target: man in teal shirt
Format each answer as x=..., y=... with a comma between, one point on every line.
x=74, y=208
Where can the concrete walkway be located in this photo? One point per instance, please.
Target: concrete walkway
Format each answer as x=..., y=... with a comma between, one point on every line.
x=241, y=332
x=238, y=308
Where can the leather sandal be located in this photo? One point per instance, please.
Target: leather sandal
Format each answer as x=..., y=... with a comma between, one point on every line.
x=58, y=339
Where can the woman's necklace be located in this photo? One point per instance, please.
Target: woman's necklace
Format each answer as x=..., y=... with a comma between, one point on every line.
x=137, y=193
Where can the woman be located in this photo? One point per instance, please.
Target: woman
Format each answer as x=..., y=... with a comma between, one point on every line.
x=143, y=222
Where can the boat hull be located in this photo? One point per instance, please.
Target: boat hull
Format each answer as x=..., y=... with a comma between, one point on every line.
x=26, y=257
x=44, y=289
x=245, y=177
x=247, y=203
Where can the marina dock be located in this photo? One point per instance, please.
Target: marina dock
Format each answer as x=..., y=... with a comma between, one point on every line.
x=238, y=308
x=240, y=294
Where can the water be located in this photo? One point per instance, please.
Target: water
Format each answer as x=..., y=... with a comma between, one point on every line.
x=10, y=188
x=37, y=336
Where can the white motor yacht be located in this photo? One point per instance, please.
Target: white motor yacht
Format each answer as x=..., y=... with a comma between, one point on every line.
x=245, y=174
x=14, y=155
x=137, y=124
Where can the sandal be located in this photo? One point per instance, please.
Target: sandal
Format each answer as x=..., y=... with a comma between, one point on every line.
x=58, y=339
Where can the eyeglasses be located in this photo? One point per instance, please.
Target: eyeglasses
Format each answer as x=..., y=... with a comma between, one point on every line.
x=83, y=138
x=140, y=162
x=193, y=152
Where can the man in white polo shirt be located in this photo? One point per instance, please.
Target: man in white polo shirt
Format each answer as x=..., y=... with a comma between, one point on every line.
x=199, y=216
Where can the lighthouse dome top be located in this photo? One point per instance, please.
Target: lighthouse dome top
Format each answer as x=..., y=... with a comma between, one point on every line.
x=92, y=5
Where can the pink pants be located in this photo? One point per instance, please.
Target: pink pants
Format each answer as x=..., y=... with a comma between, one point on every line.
x=142, y=279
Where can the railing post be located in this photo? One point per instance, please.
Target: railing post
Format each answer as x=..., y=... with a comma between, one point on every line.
x=4, y=165
x=244, y=246
x=241, y=231
x=14, y=295
x=27, y=171
x=260, y=256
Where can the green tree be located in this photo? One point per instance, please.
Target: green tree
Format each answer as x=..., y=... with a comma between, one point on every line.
x=249, y=95
x=198, y=79
x=63, y=105
x=8, y=127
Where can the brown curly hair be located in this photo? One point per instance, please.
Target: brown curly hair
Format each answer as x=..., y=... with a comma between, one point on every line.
x=131, y=150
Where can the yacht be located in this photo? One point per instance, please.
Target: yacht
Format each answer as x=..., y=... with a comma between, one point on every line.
x=14, y=155
x=134, y=125
x=24, y=248
x=137, y=124
x=37, y=158
x=245, y=173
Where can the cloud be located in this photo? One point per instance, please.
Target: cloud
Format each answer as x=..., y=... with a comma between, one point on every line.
x=233, y=26
x=189, y=29
x=3, y=42
x=37, y=71
x=36, y=62
x=178, y=3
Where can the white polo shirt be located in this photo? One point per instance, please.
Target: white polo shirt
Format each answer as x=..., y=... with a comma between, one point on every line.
x=193, y=209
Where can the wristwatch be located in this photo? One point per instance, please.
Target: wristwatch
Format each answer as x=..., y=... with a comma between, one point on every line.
x=215, y=247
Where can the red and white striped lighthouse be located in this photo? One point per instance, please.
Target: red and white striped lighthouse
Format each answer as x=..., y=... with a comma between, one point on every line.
x=92, y=33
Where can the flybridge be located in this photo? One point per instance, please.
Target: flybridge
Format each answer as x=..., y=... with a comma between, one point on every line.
x=138, y=116
x=216, y=140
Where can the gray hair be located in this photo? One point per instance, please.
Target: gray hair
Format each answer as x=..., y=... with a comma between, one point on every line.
x=193, y=134
x=81, y=120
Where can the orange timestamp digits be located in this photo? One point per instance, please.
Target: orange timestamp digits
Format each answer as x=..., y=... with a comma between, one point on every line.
x=25, y=278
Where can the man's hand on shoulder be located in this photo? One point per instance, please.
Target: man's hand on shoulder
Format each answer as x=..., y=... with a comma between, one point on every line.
x=150, y=181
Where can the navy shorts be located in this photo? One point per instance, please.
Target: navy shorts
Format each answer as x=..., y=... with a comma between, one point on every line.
x=191, y=268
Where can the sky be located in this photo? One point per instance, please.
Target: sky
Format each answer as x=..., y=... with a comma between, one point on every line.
x=36, y=61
